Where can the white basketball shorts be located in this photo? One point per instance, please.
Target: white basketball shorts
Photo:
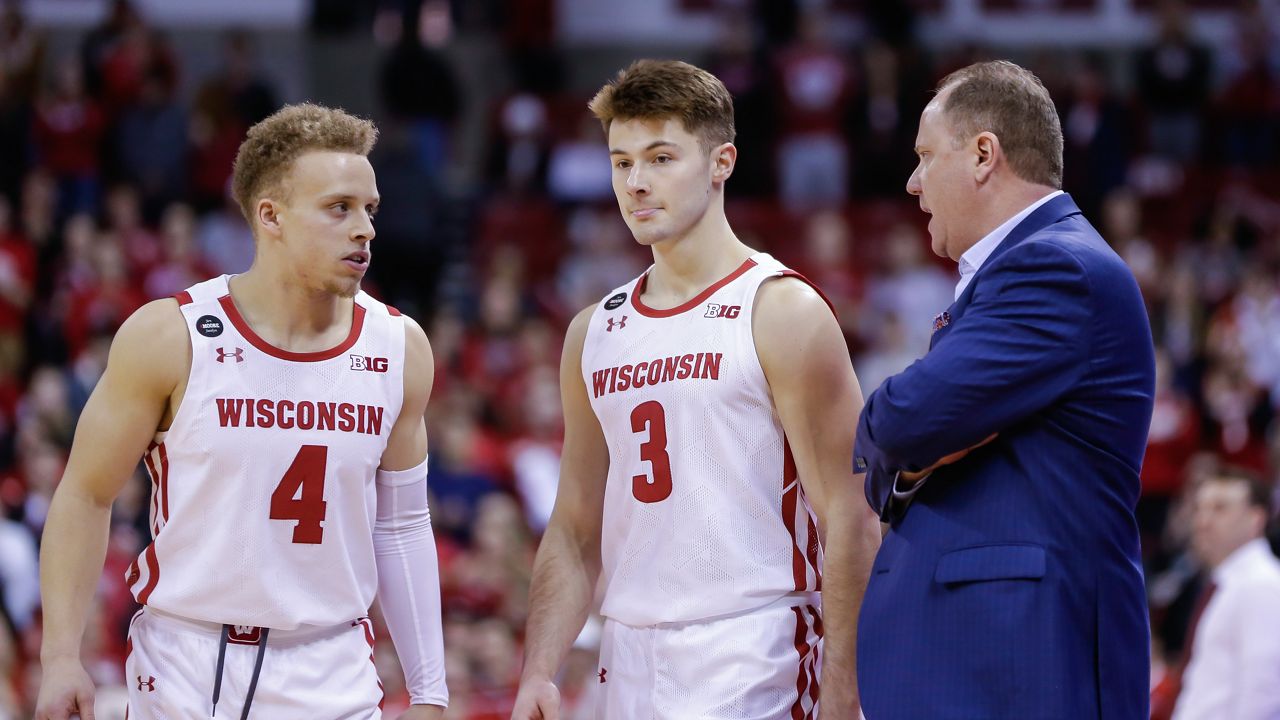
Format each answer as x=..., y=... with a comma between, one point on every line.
x=313, y=673
x=760, y=665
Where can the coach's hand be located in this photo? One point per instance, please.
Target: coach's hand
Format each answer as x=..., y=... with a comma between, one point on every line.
x=65, y=691
x=537, y=700
x=422, y=712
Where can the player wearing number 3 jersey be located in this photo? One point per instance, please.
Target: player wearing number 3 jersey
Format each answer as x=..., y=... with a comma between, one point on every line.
x=704, y=471
x=279, y=414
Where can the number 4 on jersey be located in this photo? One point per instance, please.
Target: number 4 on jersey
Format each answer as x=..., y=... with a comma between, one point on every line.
x=300, y=494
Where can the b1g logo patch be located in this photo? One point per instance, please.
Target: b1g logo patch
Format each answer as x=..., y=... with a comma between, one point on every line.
x=369, y=364
x=615, y=302
x=209, y=326
x=716, y=310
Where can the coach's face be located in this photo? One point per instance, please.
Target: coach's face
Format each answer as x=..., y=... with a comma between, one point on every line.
x=946, y=181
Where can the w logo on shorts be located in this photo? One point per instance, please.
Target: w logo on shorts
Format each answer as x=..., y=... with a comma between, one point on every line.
x=244, y=634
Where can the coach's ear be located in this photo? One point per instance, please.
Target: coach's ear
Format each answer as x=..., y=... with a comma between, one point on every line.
x=723, y=159
x=268, y=216
x=987, y=154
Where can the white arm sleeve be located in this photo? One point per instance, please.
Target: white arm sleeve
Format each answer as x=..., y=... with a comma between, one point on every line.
x=409, y=581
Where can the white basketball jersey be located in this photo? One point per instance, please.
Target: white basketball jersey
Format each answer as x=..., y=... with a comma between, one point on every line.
x=263, y=487
x=703, y=513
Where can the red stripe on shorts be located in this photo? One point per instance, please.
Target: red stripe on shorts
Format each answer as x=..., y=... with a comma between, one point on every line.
x=802, y=677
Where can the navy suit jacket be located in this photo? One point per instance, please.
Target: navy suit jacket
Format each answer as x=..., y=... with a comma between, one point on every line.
x=1010, y=588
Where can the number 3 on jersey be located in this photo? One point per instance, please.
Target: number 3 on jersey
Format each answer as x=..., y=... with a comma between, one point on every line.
x=308, y=507
x=650, y=416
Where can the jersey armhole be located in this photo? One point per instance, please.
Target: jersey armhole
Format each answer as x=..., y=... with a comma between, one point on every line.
x=792, y=273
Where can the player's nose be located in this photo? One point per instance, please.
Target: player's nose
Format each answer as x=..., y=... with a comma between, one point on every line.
x=637, y=183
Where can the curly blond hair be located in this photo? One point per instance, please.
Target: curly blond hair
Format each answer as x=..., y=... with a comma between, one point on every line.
x=273, y=144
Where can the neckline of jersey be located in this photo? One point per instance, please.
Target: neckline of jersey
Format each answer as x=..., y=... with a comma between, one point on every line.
x=242, y=326
x=692, y=302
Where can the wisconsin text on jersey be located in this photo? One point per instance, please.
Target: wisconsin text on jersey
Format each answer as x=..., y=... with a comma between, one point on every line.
x=302, y=415
x=690, y=366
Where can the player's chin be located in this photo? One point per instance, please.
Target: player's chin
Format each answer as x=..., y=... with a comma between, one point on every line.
x=345, y=287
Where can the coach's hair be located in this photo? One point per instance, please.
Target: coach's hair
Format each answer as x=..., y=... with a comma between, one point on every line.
x=1010, y=102
x=273, y=144
x=661, y=89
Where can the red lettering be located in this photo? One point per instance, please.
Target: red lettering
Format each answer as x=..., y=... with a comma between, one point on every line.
x=284, y=414
x=375, y=420
x=229, y=411
x=325, y=419
x=346, y=417
x=654, y=375
x=598, y=379
x=712, y=367
x=669, y=368
x=306, y=415
x=639, y=375
x=266, y=416
x=686, y=367
x=624, y=378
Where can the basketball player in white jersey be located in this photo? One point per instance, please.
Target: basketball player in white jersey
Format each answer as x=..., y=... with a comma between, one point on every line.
x=280, y=416
x=706, y=458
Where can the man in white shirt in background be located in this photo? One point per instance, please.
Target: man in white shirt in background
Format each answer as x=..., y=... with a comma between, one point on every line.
x=1233, y=670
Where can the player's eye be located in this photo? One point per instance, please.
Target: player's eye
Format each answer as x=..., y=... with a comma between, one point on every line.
x=662, y=159
x=622, y=164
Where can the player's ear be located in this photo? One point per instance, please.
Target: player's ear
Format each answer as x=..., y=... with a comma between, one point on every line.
x=268, y=216
x=723, y=159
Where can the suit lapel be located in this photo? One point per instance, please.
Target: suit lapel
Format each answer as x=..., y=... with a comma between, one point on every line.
x=1047, y=214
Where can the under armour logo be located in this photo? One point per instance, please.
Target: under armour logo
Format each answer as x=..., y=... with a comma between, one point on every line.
x=602, y=673
x=620, y=323
x=223, y=355
x=149, y=684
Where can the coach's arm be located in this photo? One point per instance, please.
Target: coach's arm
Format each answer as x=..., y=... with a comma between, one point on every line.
x=149, y=358
x=811, y=379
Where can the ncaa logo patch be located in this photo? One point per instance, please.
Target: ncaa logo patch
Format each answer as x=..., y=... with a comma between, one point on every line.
x=209, y=326
x=615, y=302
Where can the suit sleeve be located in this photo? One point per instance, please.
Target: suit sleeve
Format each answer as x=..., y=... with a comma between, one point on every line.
x=1021, y=344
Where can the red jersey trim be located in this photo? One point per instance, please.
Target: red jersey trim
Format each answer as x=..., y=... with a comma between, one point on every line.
x=689, y=304
x=810, y=283
x=233, y=314
x=183, y=298
x=394, y=312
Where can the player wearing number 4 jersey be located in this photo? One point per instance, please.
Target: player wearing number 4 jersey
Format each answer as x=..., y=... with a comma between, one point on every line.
x=704, y=467
x=280, y=416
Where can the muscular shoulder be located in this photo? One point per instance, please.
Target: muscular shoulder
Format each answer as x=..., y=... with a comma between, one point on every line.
x=786, y=304
x=151, y=348
x=419, y=362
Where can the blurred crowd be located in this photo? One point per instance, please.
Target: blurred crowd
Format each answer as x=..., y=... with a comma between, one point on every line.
x=114, y=168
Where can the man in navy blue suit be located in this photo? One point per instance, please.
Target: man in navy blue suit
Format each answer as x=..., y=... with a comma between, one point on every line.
x=1005, y=462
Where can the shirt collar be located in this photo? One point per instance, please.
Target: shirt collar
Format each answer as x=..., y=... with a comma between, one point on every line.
x=1240, y=560
x=973, y=258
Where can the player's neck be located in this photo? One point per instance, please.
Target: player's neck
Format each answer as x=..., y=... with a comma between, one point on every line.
x=687, y=265
x=287, y=314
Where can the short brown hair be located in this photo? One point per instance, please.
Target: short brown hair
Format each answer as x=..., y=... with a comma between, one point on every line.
x=660, y=89
x=273, y=144
x=1260, y=492
x=1010, y=102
